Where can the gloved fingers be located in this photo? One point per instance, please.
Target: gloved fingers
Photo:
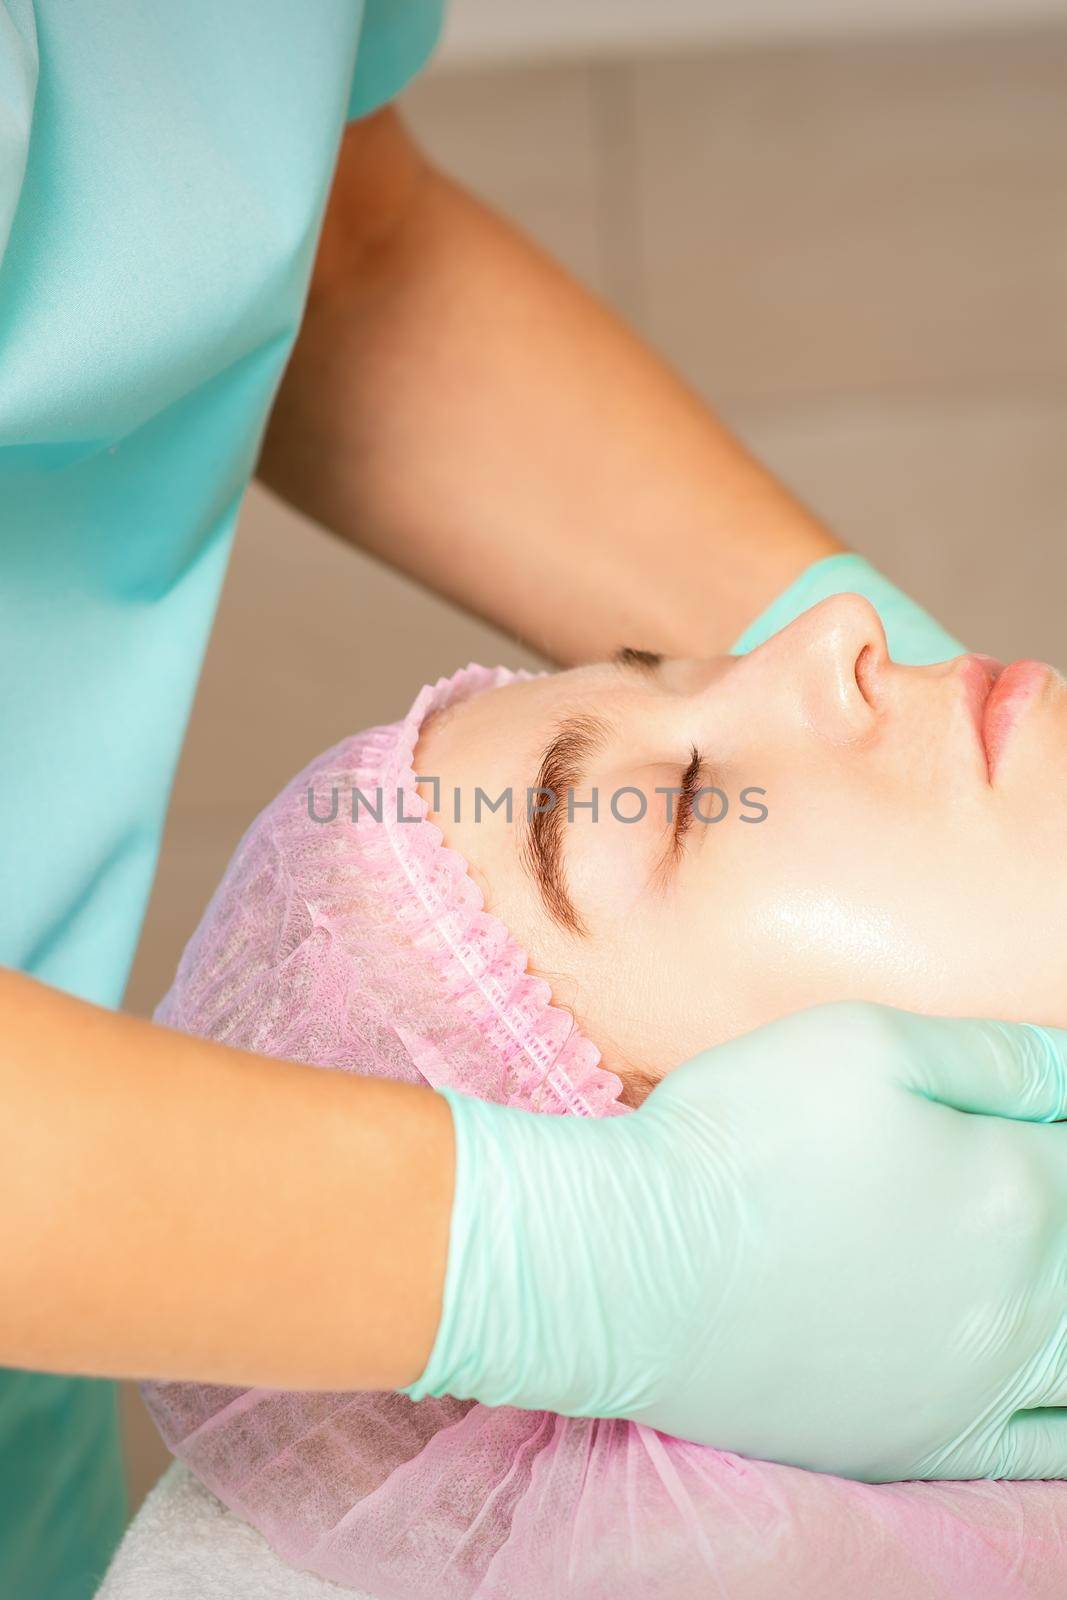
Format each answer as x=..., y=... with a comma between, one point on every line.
x=1034, y=1445
x=1003, y=1069
x=1048, y=1385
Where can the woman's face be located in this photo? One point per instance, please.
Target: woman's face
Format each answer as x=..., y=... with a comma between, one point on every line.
x=880, y=859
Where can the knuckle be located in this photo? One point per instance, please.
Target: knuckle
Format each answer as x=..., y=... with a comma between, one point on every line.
x=1044, y=1072
x=1016, y=1208
x=863, y=1030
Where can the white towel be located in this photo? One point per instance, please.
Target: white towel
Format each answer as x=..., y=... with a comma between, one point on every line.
x=183, y=1544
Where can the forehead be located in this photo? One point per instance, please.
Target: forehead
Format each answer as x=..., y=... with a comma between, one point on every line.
x=494, y=743
x=519, y=713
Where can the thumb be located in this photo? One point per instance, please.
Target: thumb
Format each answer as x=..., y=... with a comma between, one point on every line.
x=1000, y=1069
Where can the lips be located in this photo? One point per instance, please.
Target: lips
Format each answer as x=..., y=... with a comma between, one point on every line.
x=997, y=697
x=980, y=675
x=1012, y=689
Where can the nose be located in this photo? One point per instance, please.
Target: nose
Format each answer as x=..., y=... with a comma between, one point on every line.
x=826, y=668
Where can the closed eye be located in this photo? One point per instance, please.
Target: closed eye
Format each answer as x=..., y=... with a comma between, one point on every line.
x=679, y=801
x=683, y=817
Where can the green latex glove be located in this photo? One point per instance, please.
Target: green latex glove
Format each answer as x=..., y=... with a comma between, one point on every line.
x=803, y=1246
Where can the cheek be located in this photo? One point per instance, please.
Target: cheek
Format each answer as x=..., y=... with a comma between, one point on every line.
x=802, y=908
x=610, y=863
x=651, y=991
x=830, y=912
x=871, y=901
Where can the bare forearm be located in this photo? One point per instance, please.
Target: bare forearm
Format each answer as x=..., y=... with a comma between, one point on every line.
x=170, y=1207
x=460, y=407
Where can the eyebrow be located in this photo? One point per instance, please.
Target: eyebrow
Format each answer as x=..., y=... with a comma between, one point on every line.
x=645, y=661
x=563, y=762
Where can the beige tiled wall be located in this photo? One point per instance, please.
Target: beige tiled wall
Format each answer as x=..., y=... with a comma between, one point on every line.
x=857, y=251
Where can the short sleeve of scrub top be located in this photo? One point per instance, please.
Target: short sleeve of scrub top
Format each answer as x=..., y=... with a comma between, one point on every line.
x=163, y=174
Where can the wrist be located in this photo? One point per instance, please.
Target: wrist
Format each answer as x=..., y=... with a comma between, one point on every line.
x=534, y=1288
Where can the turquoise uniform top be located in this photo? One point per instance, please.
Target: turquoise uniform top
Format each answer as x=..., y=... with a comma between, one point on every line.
x=163, y=174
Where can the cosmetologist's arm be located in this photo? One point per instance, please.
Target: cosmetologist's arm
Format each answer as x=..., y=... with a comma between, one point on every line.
x=459, y=406
x=174, y=1208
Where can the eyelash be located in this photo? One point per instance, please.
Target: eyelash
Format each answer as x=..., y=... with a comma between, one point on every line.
x=684, y=814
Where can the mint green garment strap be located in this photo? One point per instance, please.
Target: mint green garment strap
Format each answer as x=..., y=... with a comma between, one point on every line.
x=914, y=637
